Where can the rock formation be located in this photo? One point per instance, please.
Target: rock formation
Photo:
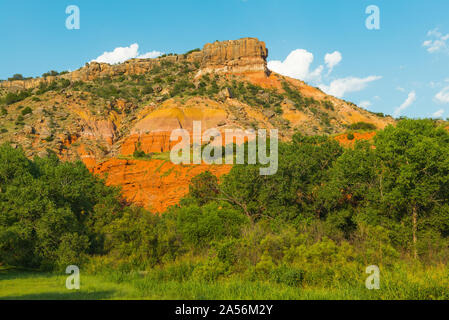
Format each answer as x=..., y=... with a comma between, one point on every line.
x=154, y=184
x=236, y=56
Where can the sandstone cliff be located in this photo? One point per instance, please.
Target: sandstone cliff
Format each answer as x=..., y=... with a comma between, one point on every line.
x=237, y=56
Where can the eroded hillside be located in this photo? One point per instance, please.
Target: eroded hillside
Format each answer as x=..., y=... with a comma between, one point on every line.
x=102, y=113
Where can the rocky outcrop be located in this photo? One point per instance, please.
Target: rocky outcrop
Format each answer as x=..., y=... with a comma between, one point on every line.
x=18, y=85
x=95, y=70
x=154, y=184
x=235, y=56
x=152, y=132
x=154, y=142
x=104, y=130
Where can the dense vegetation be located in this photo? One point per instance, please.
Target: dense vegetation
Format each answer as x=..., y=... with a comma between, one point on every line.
x=317, y=224
x=52, y=213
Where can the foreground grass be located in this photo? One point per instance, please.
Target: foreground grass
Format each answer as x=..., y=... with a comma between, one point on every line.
x=22, y=285
x=25, y=285
x=46, y=286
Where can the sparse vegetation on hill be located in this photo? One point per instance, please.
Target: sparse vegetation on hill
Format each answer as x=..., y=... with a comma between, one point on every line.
x=11, y=97
x=123, y=97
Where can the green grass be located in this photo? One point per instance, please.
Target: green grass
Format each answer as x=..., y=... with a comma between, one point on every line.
x=169, y=283
x=26, y=285
x=154, y=156
x=235, y=289
x=20, y=285
x=161, y=156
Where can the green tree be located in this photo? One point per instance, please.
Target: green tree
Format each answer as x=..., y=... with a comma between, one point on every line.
x=16, y=76
x=138, y=239
x=400, y=182
x=290, y=193
x=47, y=205
x=414, y=174
x=352, y=185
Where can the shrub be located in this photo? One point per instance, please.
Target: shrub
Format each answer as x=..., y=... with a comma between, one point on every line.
x=362, y=126
x=278, y=110
x=226, y=251
x=72, y=250
x=328, y=105
x=64, y=83
x=19, y=120
x=350, y=136
x=140, y=239
x=17, y=76
x=191, y=51
x=199, y=226
x=52, y=73
x=182, y=86
x=13, y=97
x=210, y=271
x=139, y=154
x=147, y=89
x=289, y=276
x=26, y=111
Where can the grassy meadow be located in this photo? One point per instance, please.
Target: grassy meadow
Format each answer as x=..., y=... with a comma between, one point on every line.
x=416, y=283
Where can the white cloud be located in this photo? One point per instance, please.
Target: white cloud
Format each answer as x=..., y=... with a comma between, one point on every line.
x=121, y=54
x=407, y=103
x=438, y=114
x=443, y=95
x=340, y=87
x=332, y=60
x=297, y=65
x=150, y=55
x=438, y=41
x=365, y=104
x=400, y=89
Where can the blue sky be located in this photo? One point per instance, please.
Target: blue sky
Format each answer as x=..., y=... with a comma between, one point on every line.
x=382, y=69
